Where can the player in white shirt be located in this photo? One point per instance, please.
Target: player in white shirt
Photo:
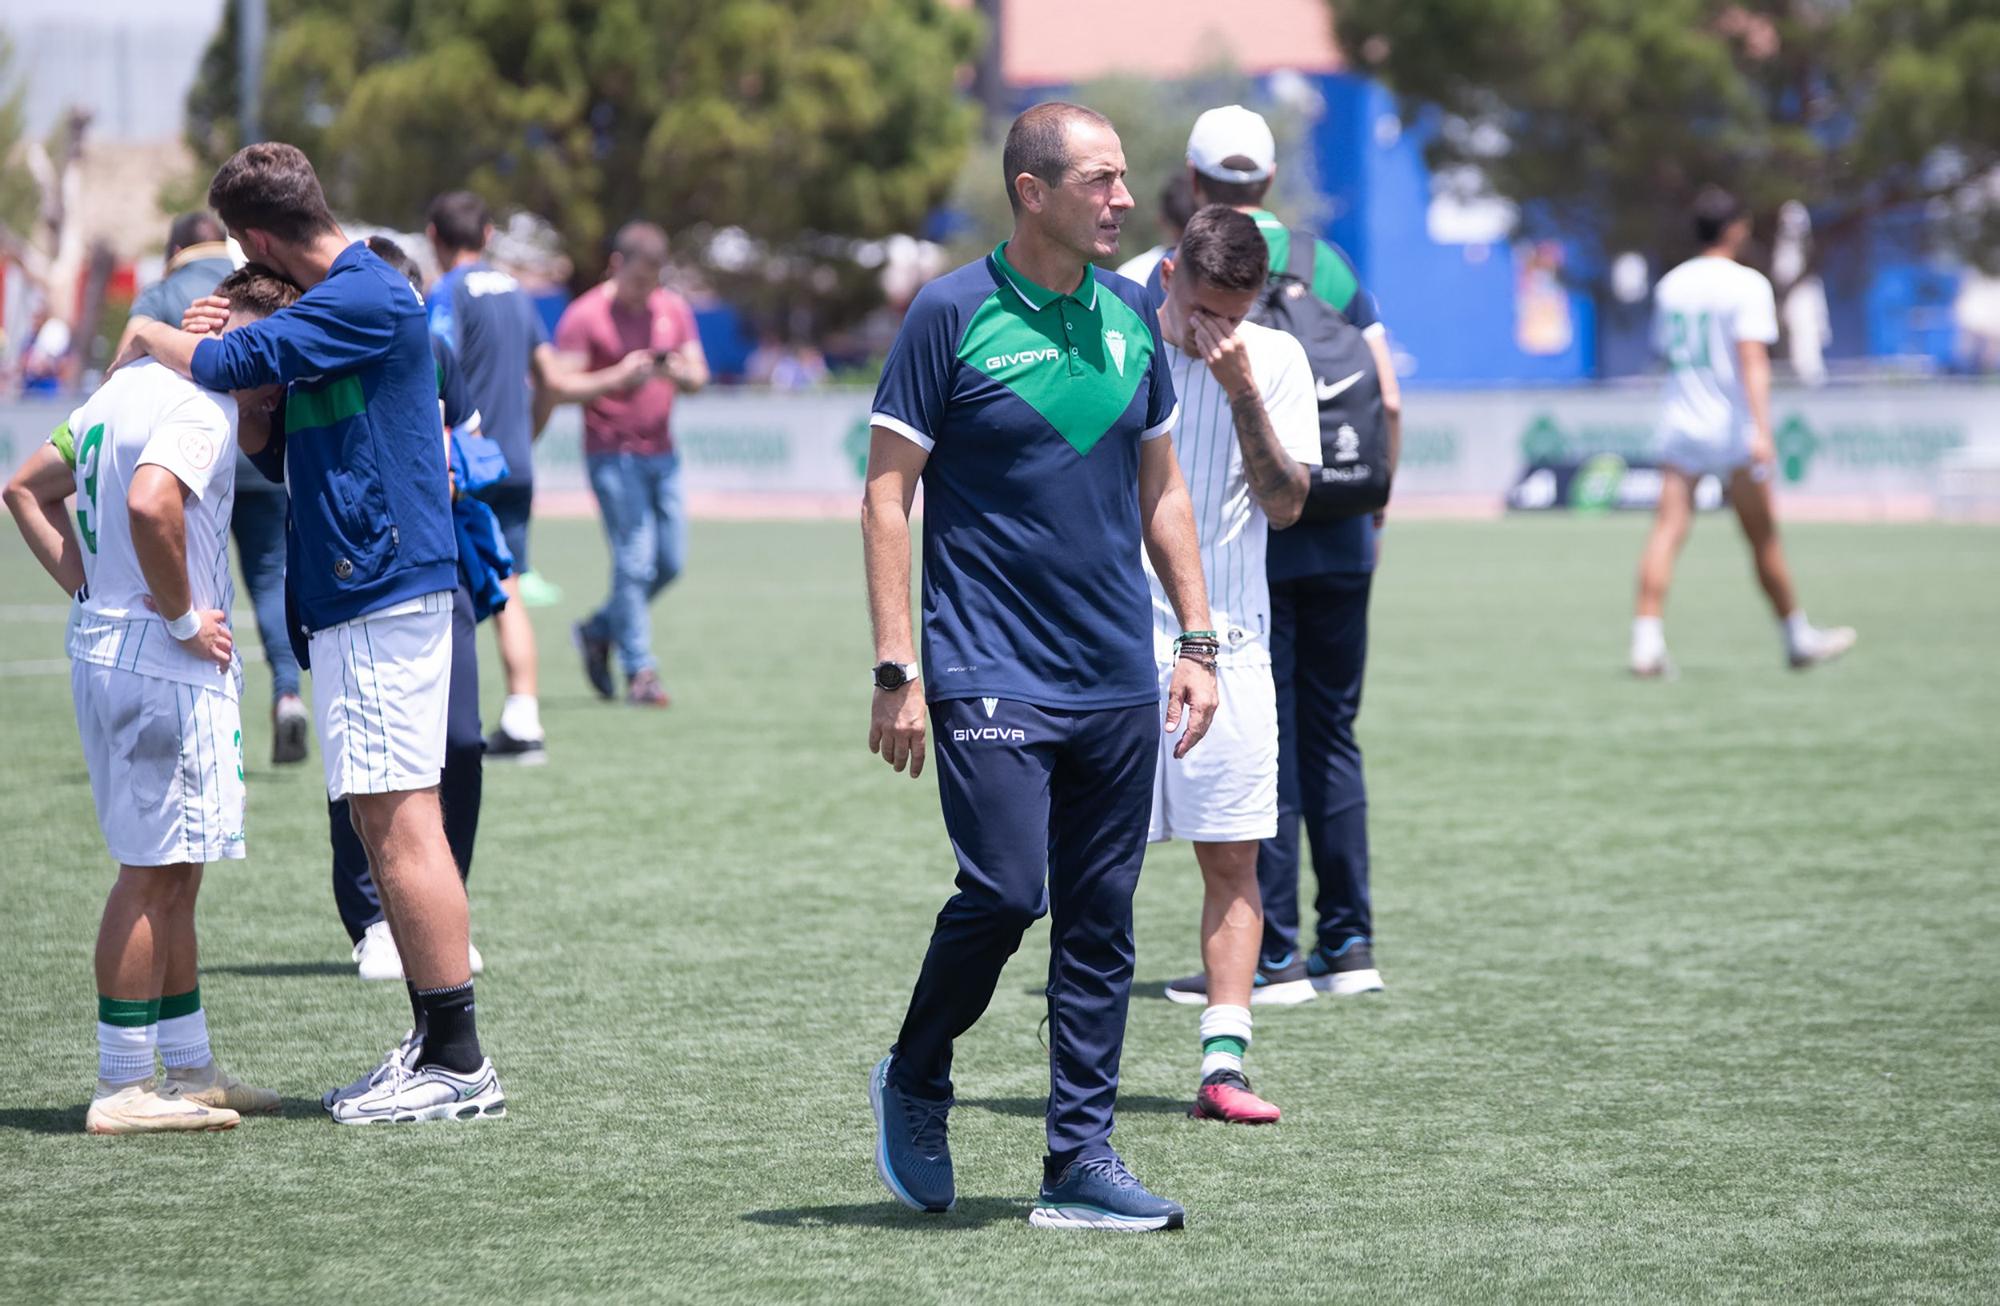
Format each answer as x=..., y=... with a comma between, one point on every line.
x=151, y=459
x=1249, y=433
x=1715, y=321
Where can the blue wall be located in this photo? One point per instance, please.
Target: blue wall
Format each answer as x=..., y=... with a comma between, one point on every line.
x=1450, y=308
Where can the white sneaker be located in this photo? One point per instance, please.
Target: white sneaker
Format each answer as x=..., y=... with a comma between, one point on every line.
x=1655, y=668
x=408, y=1096
x=1820, y=646
x=376, y=954
x=472, y=957
x=403, y=1055
x=1348, y=983
x=144, y=1108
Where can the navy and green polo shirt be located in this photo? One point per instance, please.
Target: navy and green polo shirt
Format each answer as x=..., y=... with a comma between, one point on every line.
x=1032, y=405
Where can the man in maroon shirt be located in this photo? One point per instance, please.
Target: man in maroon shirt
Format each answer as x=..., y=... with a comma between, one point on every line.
x=628, y=448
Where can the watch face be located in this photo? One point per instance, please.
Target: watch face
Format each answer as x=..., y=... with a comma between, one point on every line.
x=890, y=676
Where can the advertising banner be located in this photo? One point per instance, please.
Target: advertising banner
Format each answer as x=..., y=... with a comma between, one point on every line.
x=1862, y=451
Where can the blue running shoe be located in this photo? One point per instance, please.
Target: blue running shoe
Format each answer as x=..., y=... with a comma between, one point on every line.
x=1098, y=1192
x=1345, y=971
x=911, y=1154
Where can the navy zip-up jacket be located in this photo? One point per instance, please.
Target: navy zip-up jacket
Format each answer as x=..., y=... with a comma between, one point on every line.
x=363, y=446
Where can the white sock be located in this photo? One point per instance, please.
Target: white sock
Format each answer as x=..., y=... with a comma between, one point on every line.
x=125, y=1052
x=1225, y=1037
x=1797, y=629
x=184, y=1041
x=1649, y=639
x=521, y=716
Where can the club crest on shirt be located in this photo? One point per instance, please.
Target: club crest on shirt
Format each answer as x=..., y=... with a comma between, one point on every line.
x=199, y=452
x=1114, y=342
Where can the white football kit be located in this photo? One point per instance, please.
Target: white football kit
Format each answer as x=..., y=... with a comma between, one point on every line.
x=1701, y=311
x=1226, y=789
x=161, y=734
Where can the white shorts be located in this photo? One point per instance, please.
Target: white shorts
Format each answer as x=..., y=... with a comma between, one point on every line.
x=1700, y=456
x=1226, y=789
x=166, y=766
x=382, y=690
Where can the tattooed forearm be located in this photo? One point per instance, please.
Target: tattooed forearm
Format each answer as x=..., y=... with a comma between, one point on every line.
x=1277, y=480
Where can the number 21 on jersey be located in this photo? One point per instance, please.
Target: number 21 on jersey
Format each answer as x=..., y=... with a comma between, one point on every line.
x=1687, y=340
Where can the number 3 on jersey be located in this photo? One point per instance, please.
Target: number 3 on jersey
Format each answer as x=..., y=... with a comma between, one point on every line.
x=88, y=450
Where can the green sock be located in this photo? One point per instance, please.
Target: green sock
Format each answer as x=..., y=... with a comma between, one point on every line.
x=181, y=1004
x=1222, y=1052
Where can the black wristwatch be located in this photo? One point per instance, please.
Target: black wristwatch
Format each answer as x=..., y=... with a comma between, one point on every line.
x=894, y=675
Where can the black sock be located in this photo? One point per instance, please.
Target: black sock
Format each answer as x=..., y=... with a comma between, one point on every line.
x=417, y=1023
x=451, y=1038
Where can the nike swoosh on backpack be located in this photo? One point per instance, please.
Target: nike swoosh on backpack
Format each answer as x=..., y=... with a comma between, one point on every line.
x=1335, y=389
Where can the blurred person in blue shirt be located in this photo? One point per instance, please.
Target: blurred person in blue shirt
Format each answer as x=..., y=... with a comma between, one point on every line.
x=503, y=349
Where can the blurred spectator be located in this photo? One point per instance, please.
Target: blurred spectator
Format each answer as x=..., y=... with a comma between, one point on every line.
x=1808, y=322
x=782, y=365
x=48, y=351
x=1976, y=314
x=628, y=448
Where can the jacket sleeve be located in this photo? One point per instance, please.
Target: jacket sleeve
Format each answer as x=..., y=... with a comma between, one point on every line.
x=326, y=331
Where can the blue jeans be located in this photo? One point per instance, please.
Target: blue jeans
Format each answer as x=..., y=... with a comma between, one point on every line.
x=645, y=522
x=258, y=522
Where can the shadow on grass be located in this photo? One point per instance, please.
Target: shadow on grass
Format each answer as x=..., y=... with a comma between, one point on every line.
x=69, y=1119
x=1138, y=1104
x=281, y=969
x=971, y=1213
x=44, y=1119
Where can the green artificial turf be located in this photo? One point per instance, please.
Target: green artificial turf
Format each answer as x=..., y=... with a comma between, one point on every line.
x=1694, y=990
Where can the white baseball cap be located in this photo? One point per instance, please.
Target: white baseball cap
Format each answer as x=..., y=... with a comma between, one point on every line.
x=1232, y=131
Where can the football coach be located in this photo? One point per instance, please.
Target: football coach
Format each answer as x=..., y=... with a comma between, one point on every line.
x=1028, y=392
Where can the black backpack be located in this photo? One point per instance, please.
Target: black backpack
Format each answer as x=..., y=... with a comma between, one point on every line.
x=1353, y=433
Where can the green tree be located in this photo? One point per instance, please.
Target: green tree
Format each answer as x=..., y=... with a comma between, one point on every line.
x=1604, y=118
x=20, y=197
x=806, y=124
x=1152, y=118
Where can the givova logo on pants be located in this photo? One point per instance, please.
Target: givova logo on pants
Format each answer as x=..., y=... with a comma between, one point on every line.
x=989, y=734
